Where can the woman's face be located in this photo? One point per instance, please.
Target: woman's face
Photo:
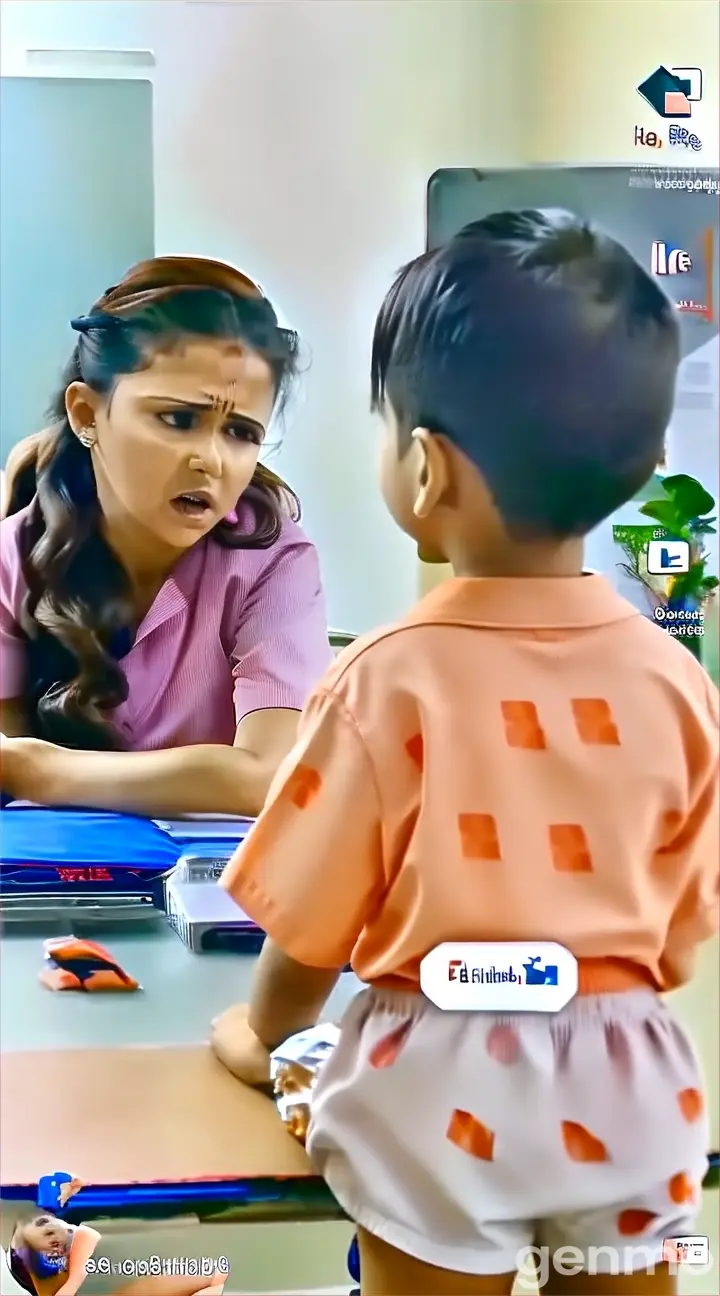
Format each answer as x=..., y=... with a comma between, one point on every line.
x=46, y=1234
x=177, y=443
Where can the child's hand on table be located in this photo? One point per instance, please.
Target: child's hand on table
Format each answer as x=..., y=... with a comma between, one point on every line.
x=238, y=1047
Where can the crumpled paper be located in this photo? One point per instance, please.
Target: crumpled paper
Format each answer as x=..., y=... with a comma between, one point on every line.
x=294, y=1069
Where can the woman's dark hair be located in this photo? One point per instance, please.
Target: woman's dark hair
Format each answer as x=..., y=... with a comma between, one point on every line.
x=546, y=353
x=20, y=1271
x=78, y=604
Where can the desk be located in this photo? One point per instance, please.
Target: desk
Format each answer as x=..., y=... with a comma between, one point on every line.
x=182, y=993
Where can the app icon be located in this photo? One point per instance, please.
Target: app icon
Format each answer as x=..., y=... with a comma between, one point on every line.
x=668, y=557
x=535, y=975
x=668, y=260
x=687, y=271
x=502, y=976
x=689, y=1250
x=671, y=93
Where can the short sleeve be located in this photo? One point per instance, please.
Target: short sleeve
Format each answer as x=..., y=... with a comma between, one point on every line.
x=310, y=873
x=281, y=647
x=13, y=648
x=696, y=849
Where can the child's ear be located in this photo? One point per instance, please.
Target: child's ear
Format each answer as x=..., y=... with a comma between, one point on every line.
x=433, y=472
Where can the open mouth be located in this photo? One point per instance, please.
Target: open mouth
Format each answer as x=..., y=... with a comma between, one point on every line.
x=194, y=504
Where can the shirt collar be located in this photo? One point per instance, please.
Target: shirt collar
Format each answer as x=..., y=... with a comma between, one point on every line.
x=177, y=592
x=524, y=603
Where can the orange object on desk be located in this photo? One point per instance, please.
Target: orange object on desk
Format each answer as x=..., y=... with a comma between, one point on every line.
x=74, y=964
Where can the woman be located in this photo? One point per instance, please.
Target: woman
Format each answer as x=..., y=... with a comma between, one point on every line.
x=162, y=613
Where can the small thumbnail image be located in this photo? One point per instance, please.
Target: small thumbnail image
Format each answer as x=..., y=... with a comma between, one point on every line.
x=647, y=590
x=665, y=567
x=45, y=1255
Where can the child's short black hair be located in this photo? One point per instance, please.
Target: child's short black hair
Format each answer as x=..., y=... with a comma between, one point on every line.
x=545, y=352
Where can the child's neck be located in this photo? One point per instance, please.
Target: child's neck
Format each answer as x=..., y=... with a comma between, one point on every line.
x=525, y=560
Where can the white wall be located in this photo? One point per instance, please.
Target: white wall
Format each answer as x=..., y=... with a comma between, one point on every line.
x=296, y=140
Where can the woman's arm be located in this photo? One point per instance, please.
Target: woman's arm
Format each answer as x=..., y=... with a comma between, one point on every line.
x=159, y=784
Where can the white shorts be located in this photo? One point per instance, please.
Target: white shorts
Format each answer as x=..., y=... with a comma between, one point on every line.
x=463, y=1139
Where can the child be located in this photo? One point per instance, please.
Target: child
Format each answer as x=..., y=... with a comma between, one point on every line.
x=545, y=772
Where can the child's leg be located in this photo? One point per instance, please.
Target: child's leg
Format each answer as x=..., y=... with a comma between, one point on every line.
x=385, y=1271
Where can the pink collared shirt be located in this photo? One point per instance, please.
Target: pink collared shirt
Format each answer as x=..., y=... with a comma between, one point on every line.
x=231, y=631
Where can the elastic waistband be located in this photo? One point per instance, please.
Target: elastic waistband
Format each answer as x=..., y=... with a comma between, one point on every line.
x=595, y=977
x=612, y=976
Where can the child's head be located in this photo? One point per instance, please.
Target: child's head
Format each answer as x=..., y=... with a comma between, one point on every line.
x=526, y=374
x=44, y=1233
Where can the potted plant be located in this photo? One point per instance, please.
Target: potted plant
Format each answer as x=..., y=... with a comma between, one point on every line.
x=682, y=512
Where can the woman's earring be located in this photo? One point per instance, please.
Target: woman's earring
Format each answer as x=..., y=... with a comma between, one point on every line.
x=86, y=439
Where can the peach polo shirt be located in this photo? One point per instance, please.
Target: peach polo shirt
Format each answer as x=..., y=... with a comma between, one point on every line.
x=515, y=760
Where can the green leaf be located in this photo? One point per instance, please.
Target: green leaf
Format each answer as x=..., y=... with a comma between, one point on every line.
x=663, y=511
x=688, y=496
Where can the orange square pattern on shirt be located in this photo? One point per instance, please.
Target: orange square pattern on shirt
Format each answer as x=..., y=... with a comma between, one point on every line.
x=479, y=839
x=516, y=760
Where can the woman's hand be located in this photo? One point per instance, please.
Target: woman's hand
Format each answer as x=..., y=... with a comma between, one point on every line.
x=238, y=1047
x=22, y=761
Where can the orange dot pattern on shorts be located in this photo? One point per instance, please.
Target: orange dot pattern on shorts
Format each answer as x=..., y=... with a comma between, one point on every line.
x=581, y=1145
x=471, y=1136
x=682, y=1190
x=503, y=1044
x=631, y=1223
x=388, y=1049
x=690, y=1102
